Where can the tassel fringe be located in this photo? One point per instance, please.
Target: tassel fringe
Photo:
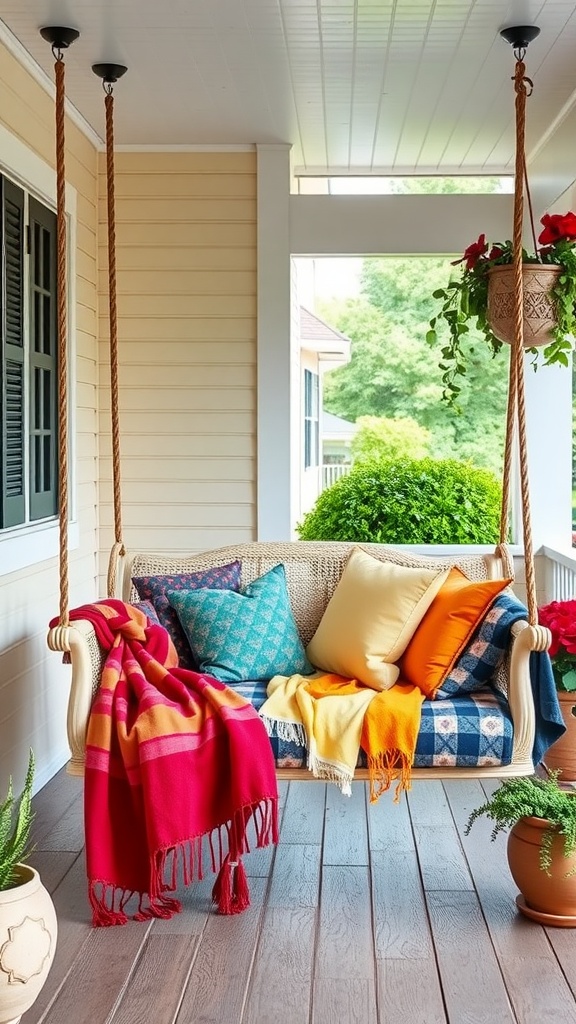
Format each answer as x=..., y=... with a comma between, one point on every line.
x=291, y=732
x=331, y=772
x=386, y=767
x=230, y=893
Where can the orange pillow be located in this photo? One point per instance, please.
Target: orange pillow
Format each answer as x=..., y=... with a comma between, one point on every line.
x=444, y=632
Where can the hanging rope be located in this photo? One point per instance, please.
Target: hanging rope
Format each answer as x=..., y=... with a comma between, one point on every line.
x=62, y=332
x=516, y=394
x=113, y=320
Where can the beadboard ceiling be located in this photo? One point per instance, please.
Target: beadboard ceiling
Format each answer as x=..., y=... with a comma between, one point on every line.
x=354, y=86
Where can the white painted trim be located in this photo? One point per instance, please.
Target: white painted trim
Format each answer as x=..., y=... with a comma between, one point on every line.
x=275, y=436
x=29, y=545
x=204, y=148
x=26, y=545
x=22, y=55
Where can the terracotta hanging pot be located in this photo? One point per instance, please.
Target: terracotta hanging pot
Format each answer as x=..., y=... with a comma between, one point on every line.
x=539, y=313
x=549, y=899
x=562, y=754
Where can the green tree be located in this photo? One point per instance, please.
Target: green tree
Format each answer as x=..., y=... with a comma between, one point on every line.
x=378, y=437
x=394, y=373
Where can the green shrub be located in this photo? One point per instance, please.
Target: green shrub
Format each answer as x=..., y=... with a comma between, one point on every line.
x=408, y=501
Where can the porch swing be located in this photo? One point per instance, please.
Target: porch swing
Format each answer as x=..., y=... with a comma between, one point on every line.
x=313, y=570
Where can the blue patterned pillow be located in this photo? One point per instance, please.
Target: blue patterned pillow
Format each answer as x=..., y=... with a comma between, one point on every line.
x=482, y=657
x=154, y=588
x=251, y=635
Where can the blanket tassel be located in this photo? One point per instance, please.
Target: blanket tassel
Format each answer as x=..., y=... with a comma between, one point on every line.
x=230, y=892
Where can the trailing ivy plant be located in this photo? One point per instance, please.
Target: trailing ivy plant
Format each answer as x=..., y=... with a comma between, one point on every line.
x=464, y=300
x=15, y=823
x=538, y=798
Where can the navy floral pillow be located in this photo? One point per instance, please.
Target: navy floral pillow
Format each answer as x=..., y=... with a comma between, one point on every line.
x=149, y=611
x=154, y=588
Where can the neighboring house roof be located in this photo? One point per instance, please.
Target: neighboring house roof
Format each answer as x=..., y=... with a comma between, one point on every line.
x=317, y=336
x=336, y=428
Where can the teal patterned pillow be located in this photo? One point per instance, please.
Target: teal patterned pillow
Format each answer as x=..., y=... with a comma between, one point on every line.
x=247, y=636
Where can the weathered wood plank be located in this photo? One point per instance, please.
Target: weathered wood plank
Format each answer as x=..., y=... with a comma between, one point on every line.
x=296, y=876
x=409, y=992
x=346, y=832
x=51, y=802
x=155, y=987
x=102, y=967
x=281, y=979
x=401, y=926
x=345, y=936
x=469, y=973
x=303, y=820
x=345, y=999
x=218, y=982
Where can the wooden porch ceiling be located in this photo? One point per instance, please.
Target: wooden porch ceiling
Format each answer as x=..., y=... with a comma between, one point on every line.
x=362, y=914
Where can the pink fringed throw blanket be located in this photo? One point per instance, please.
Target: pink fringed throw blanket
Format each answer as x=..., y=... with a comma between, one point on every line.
x=177, y=764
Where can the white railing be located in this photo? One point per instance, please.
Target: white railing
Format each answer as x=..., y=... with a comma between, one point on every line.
x=331, y=472
x=560, y=574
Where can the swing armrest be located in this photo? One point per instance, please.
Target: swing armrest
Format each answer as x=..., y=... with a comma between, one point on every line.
x=87, y=659
x=525, y=639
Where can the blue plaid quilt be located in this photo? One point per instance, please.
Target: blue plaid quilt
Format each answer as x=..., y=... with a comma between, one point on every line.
x=471, y=730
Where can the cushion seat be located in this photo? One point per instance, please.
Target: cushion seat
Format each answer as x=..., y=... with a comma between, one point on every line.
x=471, y=730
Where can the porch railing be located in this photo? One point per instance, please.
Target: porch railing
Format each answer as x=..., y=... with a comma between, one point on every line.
x=560, y=574
x=331, y=472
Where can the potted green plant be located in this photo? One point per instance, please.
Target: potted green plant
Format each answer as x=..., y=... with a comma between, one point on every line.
x=482, y=296
x=560, y=619
x=28, y=927
x=541, y=844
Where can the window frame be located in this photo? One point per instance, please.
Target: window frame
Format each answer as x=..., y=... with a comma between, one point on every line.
x=311, y=392
x=26, y=545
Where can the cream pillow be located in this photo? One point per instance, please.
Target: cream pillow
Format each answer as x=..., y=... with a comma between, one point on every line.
x=371, y=618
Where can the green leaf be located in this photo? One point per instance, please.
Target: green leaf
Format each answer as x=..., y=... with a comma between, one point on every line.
x=431, y=337
x=569, y=680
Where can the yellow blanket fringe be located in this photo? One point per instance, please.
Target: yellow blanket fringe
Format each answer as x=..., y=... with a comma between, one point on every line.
x=337, y=716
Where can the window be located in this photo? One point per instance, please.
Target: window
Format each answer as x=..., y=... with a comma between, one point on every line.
x=311, y=419
x=28, y=352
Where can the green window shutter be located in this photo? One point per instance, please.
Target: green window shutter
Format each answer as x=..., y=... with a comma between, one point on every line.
x=43, y=366
x=12, y=397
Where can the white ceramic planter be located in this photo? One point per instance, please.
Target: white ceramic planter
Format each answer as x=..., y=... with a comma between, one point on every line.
x=28, y=931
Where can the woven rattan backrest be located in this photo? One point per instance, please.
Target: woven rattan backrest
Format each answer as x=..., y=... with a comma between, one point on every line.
x=313, y=569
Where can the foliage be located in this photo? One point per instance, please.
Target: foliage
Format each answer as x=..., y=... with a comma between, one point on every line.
x=465, y=299
x=408, y=501
x=15, y=822
x=538, y=798
x=560, y=619
x=380, y=437
x=393, y=372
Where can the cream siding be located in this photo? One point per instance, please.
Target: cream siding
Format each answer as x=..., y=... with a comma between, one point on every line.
x=33, y=681
x=186, y=283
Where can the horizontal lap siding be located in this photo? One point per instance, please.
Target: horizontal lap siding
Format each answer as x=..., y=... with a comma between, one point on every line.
x=33, y=681
x=186, y=288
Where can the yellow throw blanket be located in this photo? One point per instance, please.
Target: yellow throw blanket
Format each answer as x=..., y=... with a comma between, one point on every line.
x=333, y=717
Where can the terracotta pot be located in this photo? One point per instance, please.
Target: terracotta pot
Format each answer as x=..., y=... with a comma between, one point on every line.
x=550, y=899
x=539, y=313
x=562, y=754
x=28, y=932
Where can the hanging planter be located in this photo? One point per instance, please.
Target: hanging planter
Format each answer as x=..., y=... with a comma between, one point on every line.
x=539, y=307
x=482, y=297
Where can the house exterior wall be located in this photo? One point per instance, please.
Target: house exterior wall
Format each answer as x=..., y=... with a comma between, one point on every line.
x=186, y=282
x=33, y=681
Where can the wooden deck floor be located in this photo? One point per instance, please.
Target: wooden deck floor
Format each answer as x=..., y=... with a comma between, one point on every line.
x=379, y=915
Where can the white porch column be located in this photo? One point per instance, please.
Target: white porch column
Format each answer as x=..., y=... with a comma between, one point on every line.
x=549, y=438
x=274, y=425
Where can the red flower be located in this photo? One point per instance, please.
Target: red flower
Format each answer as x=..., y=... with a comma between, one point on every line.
x=473, y=253
x=558, y=227
x=495, y=253
x=560, y=618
